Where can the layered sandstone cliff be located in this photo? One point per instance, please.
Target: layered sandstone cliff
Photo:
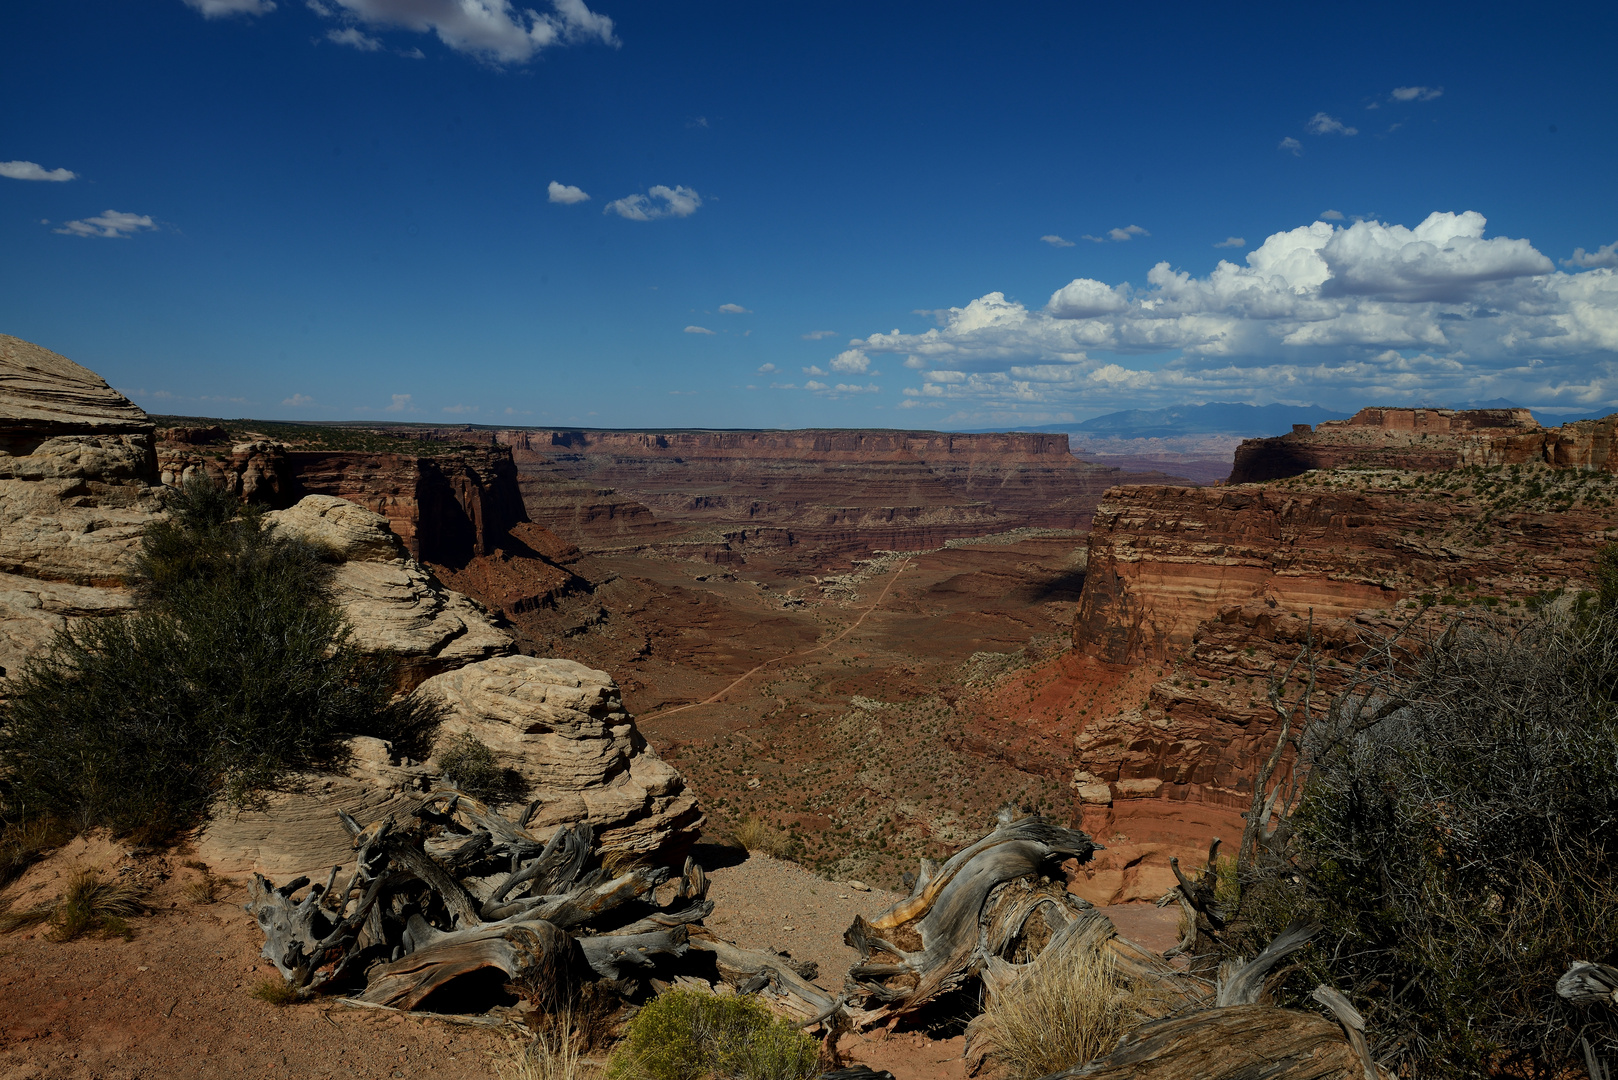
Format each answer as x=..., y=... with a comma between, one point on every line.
x=393, y=603
x=1426, y=440
x=446, y=507
x=1217, y=589
x=76, y=475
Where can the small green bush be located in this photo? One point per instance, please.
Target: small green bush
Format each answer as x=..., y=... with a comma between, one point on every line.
x=236, y=667
x=683, y=1035
x=472, y=766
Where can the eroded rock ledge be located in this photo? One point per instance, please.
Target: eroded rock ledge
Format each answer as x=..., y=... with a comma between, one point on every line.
x=560, y=725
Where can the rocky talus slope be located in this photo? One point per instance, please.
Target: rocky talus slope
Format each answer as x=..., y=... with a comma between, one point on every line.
x=1216, y=589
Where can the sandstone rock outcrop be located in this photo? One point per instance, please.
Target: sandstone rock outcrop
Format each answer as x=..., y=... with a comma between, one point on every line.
x=295, y=832
x=563, y=728
x=394, y=604
x=76, y=475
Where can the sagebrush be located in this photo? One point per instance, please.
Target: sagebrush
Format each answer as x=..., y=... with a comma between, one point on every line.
x=1456, y=840
x=683, y=1035
x=236, y=667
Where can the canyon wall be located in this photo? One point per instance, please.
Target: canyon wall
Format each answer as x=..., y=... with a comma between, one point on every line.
x=447, y=507
x=1216, y=589
x=1426, y=440
x=828, y=493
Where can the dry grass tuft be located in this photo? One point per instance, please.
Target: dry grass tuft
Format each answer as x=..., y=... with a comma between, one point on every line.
x=760, y=837
x=551, y=1054
x=209, y=887
x=87, y=905
x=276, y=992
x=1070, y=1006
x=21, y=844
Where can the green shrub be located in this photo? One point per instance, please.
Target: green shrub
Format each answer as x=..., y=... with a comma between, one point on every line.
x=467, y=761
x=683, y=1035
x=236, y=667
x=1460, y=853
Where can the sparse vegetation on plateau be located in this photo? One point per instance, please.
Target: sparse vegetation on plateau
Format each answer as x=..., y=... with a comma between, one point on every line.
x=236, y=668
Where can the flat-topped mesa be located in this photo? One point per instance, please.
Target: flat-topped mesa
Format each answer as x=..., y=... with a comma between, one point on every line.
x=829, y=444
x=1426, y=440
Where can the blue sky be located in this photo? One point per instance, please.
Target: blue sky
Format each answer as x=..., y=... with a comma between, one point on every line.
x=940, y=215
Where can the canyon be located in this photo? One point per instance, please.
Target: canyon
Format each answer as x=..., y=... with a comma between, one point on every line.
x=868, y=640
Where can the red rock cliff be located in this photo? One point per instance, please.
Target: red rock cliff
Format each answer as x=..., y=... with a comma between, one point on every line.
x=1215, y=588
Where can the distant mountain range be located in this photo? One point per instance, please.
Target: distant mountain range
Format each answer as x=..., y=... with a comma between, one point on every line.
x=1214, y=418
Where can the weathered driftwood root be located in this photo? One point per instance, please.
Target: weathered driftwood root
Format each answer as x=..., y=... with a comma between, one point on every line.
x=1242, y=1042
x=522, y=950
x=775, y=979
x=960, y=914
x=309, y=944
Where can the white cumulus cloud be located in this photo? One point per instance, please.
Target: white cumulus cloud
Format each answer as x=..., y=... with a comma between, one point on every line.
x=817, y=335
x=852, y=361
x=1291, y=145
x=1321, y=124
x=566, y=194
x=698, y=330
x=298, y=400
x=658, y=202
x=401, y=403
x=734, y=309
x=493, y=30
x=28, y=170
x=1331, y=215
x=1231, y=241
x=1056, y=241
x=765, y=369
x=220, y=9
x=1606, y=255
x=108, y=223
x=1367, y=312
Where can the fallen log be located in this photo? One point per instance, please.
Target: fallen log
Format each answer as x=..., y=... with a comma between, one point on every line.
x=531, y=950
